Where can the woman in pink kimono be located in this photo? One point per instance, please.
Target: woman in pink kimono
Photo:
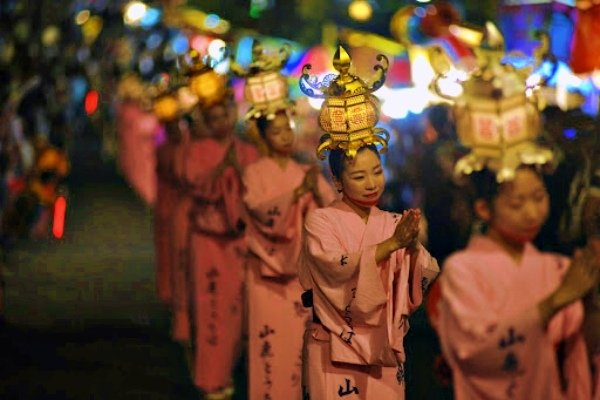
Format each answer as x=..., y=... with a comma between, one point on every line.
x=366, y=272
x=213, y=171
x=279, y=193
x=509, y=316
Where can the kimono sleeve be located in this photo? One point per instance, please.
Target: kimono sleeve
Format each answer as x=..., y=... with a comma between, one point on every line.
x=424, y=270
x=334, y=268
x=266, y=209
x=470, y=331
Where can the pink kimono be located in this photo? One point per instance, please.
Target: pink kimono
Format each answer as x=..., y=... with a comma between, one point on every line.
x=354, y=347
x=179, y=236
x=164, y=209
x=137, y=132
x=490, y=329
x=274, y=237
x=217, y=255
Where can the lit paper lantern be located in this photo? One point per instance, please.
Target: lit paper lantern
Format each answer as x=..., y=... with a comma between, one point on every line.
x=266, y=89
x=203, y=81
x=494, y=116
x=350, y=110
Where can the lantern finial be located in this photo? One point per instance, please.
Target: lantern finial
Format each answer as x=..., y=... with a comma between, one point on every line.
x=350, y=110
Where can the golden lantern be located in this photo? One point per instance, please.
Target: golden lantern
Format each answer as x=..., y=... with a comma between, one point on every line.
x=166, y=107
x=350, y=110
x=266, y=88
x=494, y=116
x=165, y=104
x=203, y=81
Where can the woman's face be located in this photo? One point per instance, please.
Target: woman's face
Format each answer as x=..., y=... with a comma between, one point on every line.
x=520, y=209
x=280, y=136
x=362, y=179
x=219, y=121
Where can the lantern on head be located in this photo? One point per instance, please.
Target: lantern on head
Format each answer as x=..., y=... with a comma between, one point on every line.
x=210, y=87
x=494, y=116
x=266, y=88
x=350, y=110
x=165, y=104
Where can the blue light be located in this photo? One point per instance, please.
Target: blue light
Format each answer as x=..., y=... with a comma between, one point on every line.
x=180, y=44
x=153, y=41
x=570, y=133
x=244, y=51
x=151, y=18
x=146, y=65
x=212, y=21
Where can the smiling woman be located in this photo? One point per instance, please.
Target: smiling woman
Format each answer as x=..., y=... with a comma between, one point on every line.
x=363, y=269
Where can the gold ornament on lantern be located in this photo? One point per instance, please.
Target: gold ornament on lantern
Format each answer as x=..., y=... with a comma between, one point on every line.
x=494, y=116
x=210, y=87
x=165, y=104
x=266, y=88
x=350, y=110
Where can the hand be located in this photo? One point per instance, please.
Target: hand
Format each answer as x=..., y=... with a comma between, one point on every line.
x=580, y=278
x=309, y=184
x=230, y=160
x=407, y=230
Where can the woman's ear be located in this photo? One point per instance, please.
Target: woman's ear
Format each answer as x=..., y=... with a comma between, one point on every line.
x=482, y=210
x=338, y=184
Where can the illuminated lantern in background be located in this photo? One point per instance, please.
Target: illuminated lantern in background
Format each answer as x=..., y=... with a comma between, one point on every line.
x=91, y=102
x=350, y=112
x=166, y=107
x=494, y=116
x=58, y=221
x=266, y=89
x=209, y=87
x=165, y=104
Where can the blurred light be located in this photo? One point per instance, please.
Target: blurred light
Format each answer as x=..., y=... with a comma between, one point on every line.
x=244, y=50
x=200, y=43
x=212, y=21
x=150, y=18
x=91, y=102
x=82, y=16
x=60, y=211
x=91, y=29
x=421, y=71
x=360, y=10
x=223, y=27
x=222, y=68
x=570, y=133
x=146, y=64
x=134, y=12
x=471, y=37
x=423, y=1
x=450, y=87
x=216, y=49
x=50, y=35
x=180, y=44
x=420, y=12
x=394, y=103
x=315, y=103
x=153, y=41
x=83, y=54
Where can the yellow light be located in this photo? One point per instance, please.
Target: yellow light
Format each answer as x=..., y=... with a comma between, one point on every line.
x=134, y=12
x=82, y=16
x=360, y=10
x=50, y=35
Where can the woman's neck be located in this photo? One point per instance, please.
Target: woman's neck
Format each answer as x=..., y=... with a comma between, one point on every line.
x=280, y=159
x=362, y=211
x=514, y=248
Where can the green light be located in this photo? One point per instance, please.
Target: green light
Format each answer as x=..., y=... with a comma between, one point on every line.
x=255, y=11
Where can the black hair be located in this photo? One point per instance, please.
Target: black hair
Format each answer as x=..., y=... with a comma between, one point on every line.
x=484, y=186
x=262, y=123
x=338, y=156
